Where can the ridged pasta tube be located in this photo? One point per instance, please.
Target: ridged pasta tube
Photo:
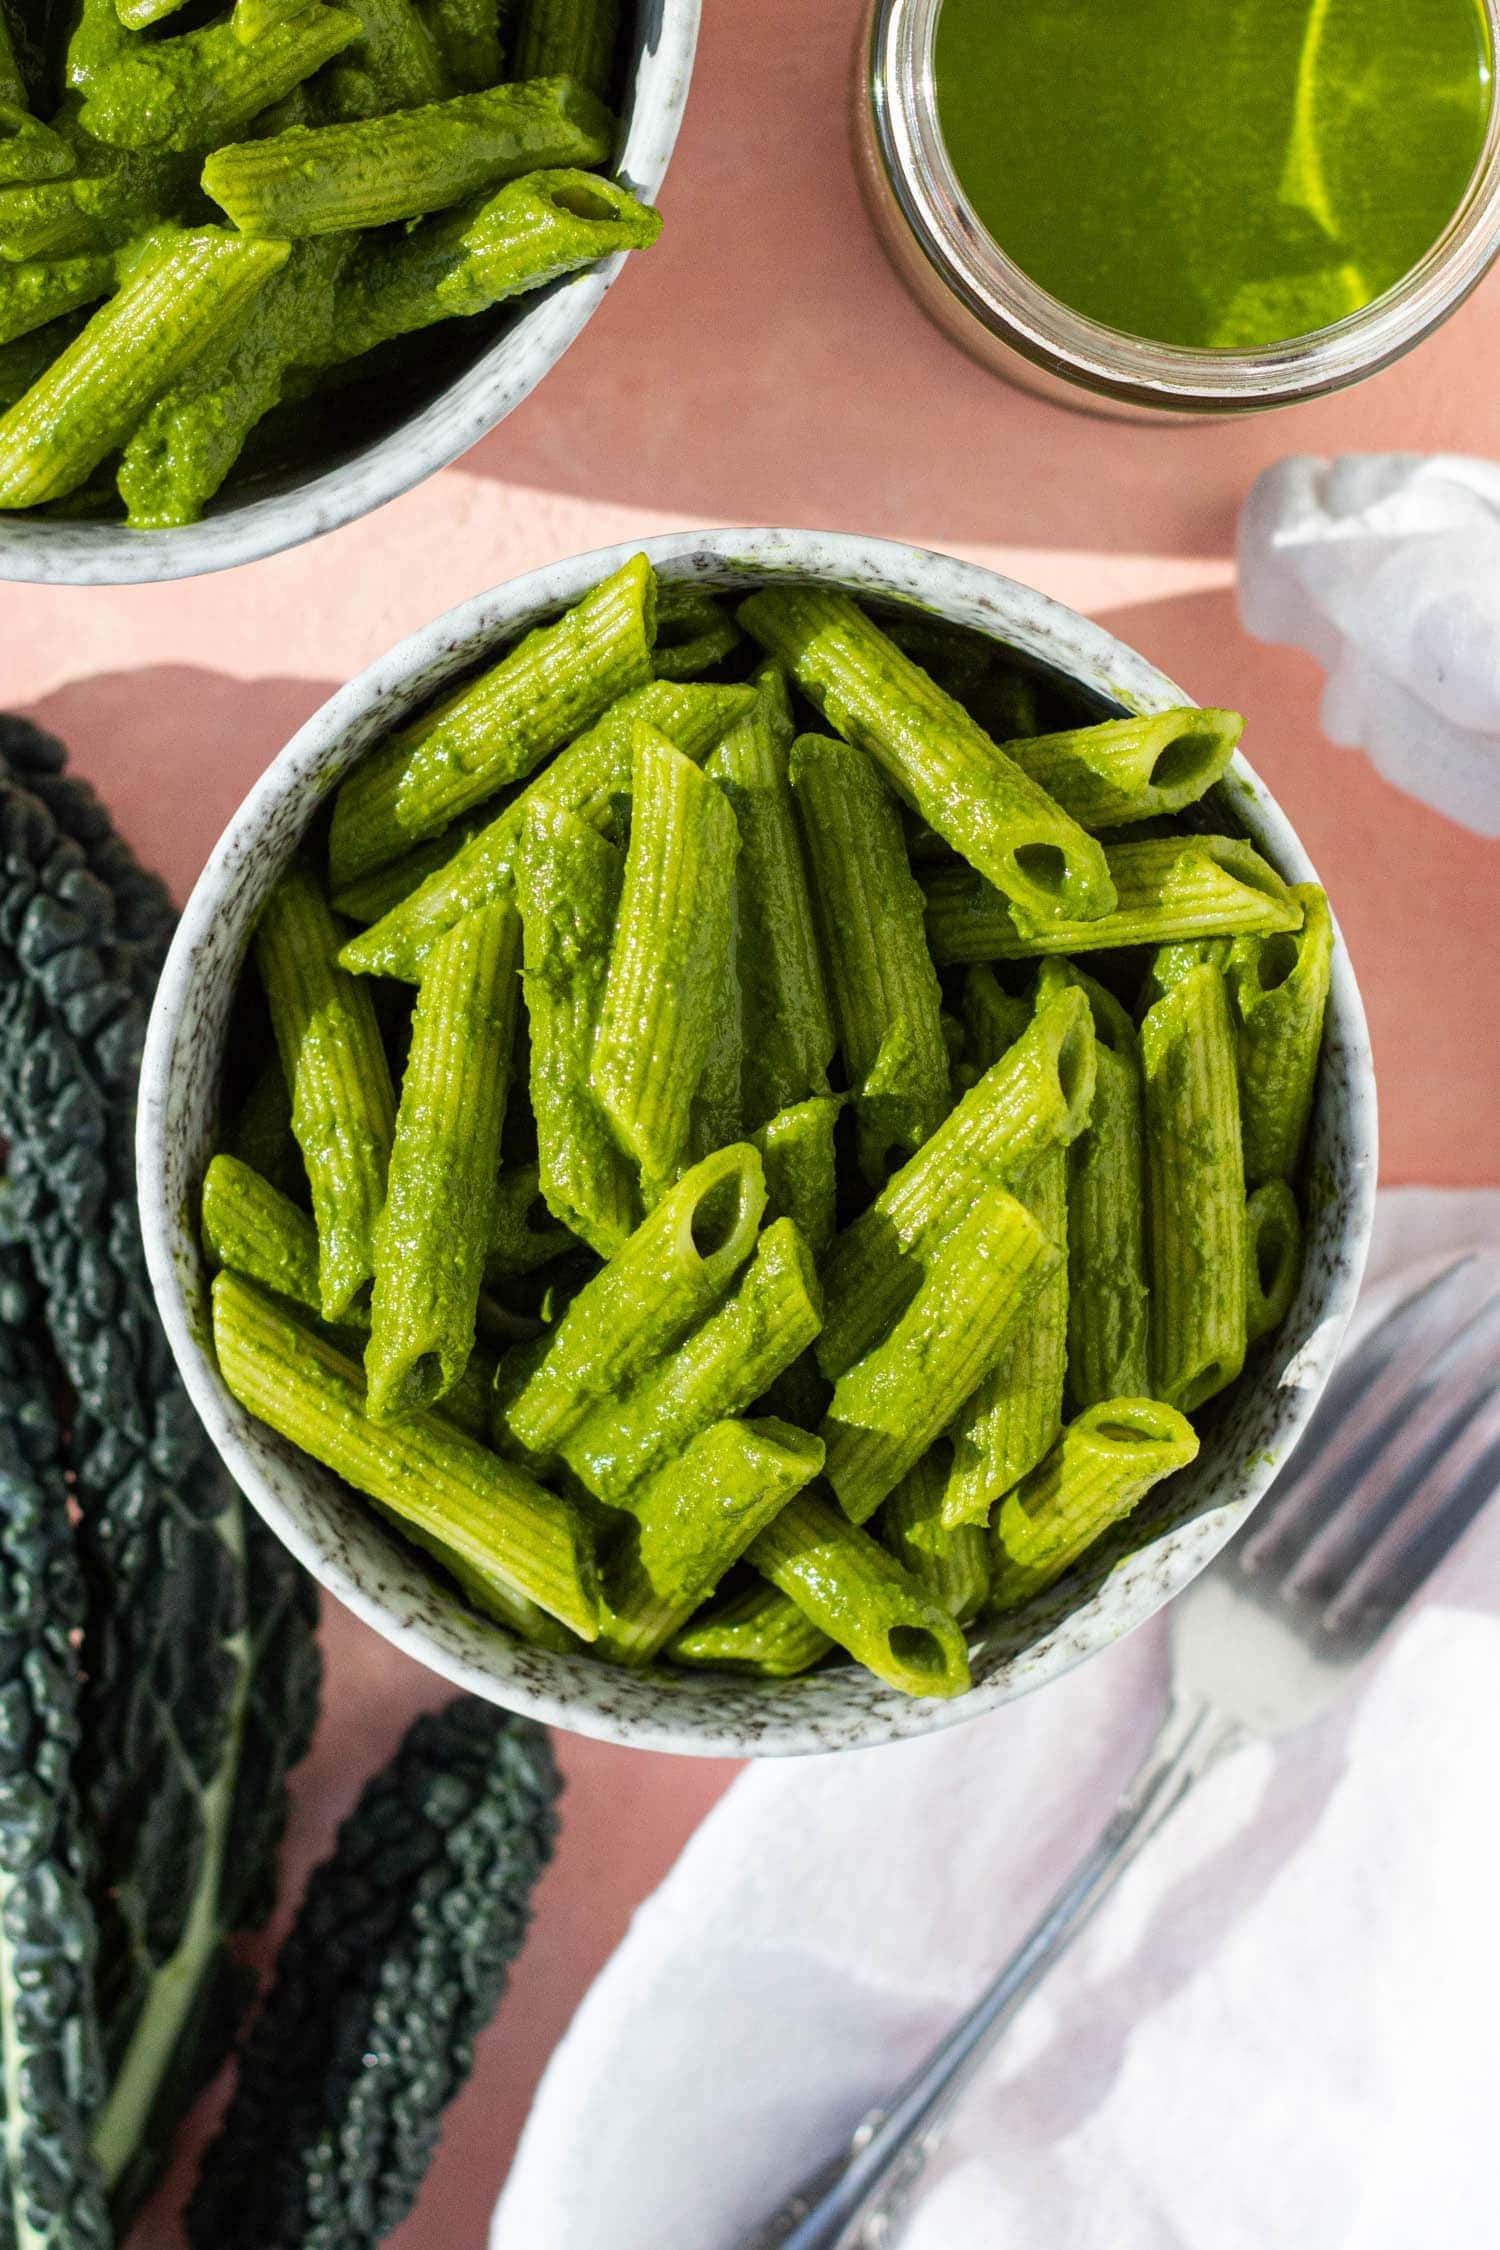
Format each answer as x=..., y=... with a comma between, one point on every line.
x=199, y=88
x=576, y=36
x=43, y=288
x=543, y=692
x=846, y=1584
x=788, y=1028
x=722, y=1368
x=1171, y=963
x=1278, y=987
x=586, y=778
x=656, y=1021
x=895, y=1402
x=932, y=752
x=886, y=1000
x=1273, y=1258
x=663, y=1283
x=716, y=1113
x=374, y=172
x=185, y=289
x=1007, y=1422
x=992, y=1020
x=343, y=1106
x=694, y=632
x=432, y=1236
x=568, y=880
x=693, y=1521
x=467, y=35
x=372, y=897
x=1123, y=770
x=953, y=1562
x=759, y=1631
x=486, y=1511
x=394, y=64
x=797, y=1148
x=1195, y=1192
x=523, y=1232
x=1100, y=1469
x=1036, y=1095
x=1167, y=887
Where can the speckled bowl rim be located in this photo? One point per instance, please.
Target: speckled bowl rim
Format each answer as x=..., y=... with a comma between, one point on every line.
x=36, y=550
x=342, y=1543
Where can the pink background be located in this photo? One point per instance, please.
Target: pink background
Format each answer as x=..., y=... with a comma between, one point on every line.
x=762, y=366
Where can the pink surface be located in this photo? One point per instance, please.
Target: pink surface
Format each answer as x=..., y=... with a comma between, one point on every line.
x=762, y=366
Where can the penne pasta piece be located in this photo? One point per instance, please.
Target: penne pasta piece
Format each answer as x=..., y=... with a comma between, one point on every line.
x=797, y=1148
x=759, y=1631
x=577, y=37
x=847, y=1586
x=1171, y=963
x=1124, y=770
x=693, y=632
x=394, y=63
x=1278, y=987
x=1273, y=1258
x=1100, y=1469
x=42, y=289
x=993, y=1021
x=951, y=1562
x=197, y=89
x=523, y=1232
x=467, y=37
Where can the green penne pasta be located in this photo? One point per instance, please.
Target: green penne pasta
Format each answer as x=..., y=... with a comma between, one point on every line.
x=846, y=1584
x=1278, y=987
x=255, y=1231
x=372, y=172
x=568, y=881
x=692, y=1523
x=789, y=1035
x=1101, y=1467
x=393, y=64
x=1109, y=1304
x=486, y=1590
x=720, y=1370
x=12, y=83
x=30, y=150
x=487, y=1512
x=462, y=262
x=1008, y=1420
x=343, y=1107
x=1037, y=1094
x=797, y=1148
x=957, y=660
x=523, y=1232
x=261, y=1134
x=656, y=1022
x=467, y=34
x=577, y=37
x=898, y=1399
x=694, y=632
x=433, y=1234
x=547, y=689
x=44, y=288
x=200, y=88
x=30, y=356
x=374, y=896
x=665, y=1281
x=932, y=752
x=110, y=199
x=758, y=1631
x=1171, y=963
x=716, y=1113
x=1195, y=1191
x=587, y=778
x=1167, y=887
x=952, y=1562
x=993, y=1021
x=190, y=438
x=1273, y=1258
x=886, y=1001
x=1123, y=770
x=184, y=290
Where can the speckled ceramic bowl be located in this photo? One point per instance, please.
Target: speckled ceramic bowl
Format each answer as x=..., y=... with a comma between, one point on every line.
x=391, y=434
x=343, y=1543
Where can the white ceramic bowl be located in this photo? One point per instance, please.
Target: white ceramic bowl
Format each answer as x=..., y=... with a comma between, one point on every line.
x=342, y=1541
x=472, y=375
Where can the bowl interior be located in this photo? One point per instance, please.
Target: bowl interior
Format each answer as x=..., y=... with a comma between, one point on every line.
x=340, y=1539
x=430, y=399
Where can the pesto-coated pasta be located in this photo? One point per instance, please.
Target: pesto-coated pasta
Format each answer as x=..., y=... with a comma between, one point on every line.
x=343, y=1106
x=1038, y=1094
x=664, y=1281
x=487, y=1511
x=656, y=1019
x=716, y=1112
x=953, y=1562
x=931, y=751
x=588, y=778
x=568, y=881
x=788, y=1028
x=693, y=632
x=846, y=1584
x=896, y=1401
x=1101, y=1467
x=1278, y=988
x=797, y=1148
x=434, y=1232
x=199, y=88
x=523, y=1233
x=1124, y=770
x=1273, y=1257
x=884, y=989
x=992, y=1022
x=759, y=1631
x=542, y=693
x=1195, y=1191
x=1171, y=963
x=1168, y=887
x=575, y=37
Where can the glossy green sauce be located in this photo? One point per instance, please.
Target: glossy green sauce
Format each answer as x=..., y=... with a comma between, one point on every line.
x=1214, y=172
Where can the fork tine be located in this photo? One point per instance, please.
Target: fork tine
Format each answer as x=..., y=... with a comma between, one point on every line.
x=1409, y=1351
x=1455, y=1490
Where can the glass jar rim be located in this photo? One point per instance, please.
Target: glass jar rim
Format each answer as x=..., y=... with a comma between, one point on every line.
x=1068, y=345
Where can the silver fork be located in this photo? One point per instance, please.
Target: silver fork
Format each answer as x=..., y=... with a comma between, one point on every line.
x=1402, y=1454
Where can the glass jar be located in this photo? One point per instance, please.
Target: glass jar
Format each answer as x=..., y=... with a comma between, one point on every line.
x=964, y=280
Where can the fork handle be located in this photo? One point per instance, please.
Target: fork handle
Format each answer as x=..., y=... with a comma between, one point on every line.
x=855, y=2202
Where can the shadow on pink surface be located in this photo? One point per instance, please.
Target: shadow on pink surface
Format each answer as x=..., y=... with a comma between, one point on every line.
x=763, y=365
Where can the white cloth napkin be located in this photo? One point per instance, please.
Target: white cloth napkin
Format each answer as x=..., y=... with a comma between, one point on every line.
x=1386, y=568
x=1283, y=2029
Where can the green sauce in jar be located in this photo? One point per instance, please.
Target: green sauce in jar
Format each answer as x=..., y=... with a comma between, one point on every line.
x=1214, y=173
